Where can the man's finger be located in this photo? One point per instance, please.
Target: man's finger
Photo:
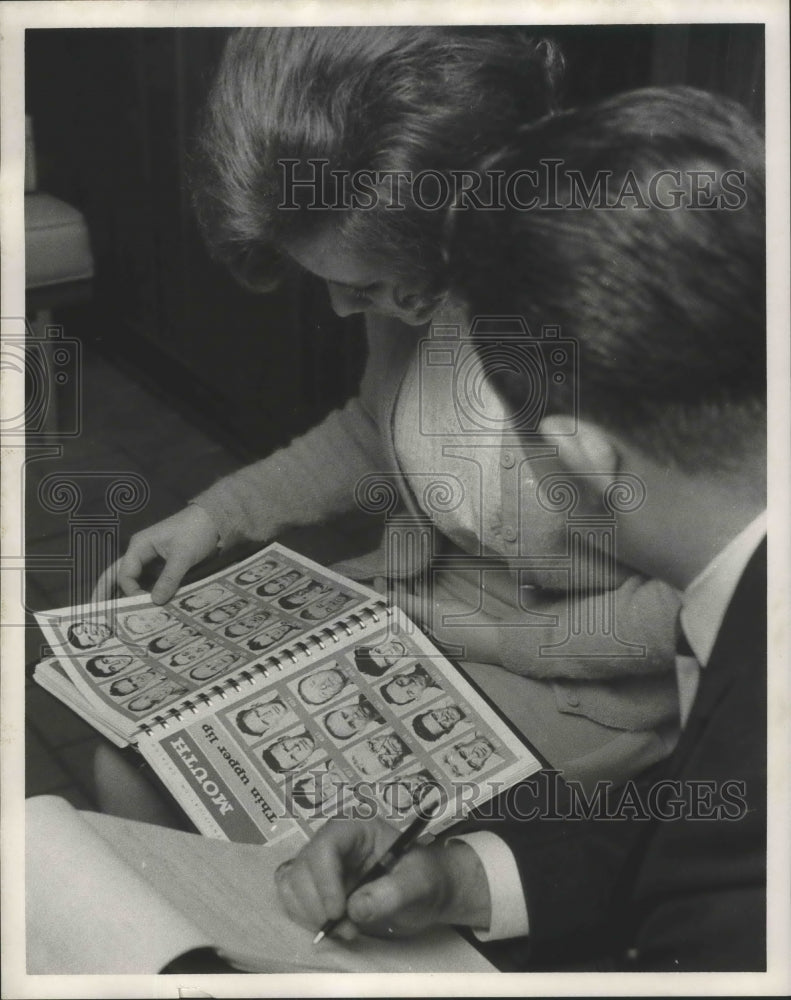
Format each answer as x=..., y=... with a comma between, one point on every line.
x=411, y=882
x=331, y=856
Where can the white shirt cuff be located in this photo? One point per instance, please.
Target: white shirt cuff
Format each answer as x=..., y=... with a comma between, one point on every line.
x=509, y=910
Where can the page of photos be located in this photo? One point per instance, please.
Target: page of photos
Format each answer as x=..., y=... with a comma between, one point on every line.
x=379, y=727
x=145, y=658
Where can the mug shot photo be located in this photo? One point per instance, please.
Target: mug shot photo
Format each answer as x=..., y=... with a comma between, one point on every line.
x=409, y=792
x=263, y=717
x=136, y=624
x=323, y=685
x=200, y=599
x=436, y=723
x=320, y=789
x=155, y=696
x=244, y=626
x=172, y=638
x=256, y=572
x=189, y=654
x=277, y=585
x=476, y=324
x=289, y=752
x=410, y=686
x=88, y=634
x=124, y=686
x=347, y=720
x=273, y=633
x=468, y=757
x=378, y=754
x=324, y=607
x=376, y=660
x=213, y=667
x=224, y=612
x=298, y=598
x=110, y=664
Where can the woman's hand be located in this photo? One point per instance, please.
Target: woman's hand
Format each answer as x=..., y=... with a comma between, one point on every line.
x=182, y=540
x=428, y=886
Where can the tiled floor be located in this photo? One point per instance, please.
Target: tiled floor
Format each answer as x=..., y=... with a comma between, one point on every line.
x=126, y=428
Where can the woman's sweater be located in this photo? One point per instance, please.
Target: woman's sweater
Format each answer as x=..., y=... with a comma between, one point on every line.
x=622, y=678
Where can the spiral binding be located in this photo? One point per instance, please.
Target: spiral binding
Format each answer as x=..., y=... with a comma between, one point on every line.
x=299, y=651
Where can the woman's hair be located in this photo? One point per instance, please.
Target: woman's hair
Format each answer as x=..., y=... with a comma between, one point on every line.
x=358, y=99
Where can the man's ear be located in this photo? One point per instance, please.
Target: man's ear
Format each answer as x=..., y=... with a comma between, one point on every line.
x=582, y=446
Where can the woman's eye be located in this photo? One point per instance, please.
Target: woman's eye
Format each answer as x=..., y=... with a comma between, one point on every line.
x=352, y=291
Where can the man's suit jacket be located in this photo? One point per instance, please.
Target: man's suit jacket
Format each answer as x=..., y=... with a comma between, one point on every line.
x=684, y=894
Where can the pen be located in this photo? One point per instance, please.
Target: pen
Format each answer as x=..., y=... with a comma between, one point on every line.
x=397, y=850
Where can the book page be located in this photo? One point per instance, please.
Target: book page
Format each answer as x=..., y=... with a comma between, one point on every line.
x=133, y=660
x=87, y=910
x=186, y=891
x=375, y=723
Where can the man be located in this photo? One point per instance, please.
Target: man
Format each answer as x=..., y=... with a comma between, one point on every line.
x=88, y=634
x=108, y=666
x=260, y=717
x=320, y=789
x=123, y=686
x=347, y=721
x=278, y=584
x=244, y=626
x=468, y=757
x=288, y=752
x=225, y=612
x=409, y=791
x=660, y=281
x=322, y=685
x=324, y=608
x=203, y=598
x=437, y=722
x=273, y=633
x=408, y=686
x=298, y=598
x=144, y=622
x=214, y=666
x=256, y=572
x=378, y=754
x=375, y=660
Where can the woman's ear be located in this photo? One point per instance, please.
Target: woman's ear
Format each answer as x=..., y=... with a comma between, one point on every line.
x=583, y=446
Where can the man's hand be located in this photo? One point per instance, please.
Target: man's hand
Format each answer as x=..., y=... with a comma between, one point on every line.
x=428, y=886
x=183, y=540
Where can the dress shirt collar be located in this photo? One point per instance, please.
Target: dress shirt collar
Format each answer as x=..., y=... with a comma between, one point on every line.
x=706, y=599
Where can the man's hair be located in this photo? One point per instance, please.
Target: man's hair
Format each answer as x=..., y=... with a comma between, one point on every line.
x=241, y=717
x=367, y=707
x=359, y=98
x=75, y=639
x=300, y=794
x=418, y=670
x=666, y=306
x=422, y=730
x=98, y=670
x=304, y=798
x=310, y=701
x=269, y=758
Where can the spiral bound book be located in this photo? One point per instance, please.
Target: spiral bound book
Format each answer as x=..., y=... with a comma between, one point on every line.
x=277, y=693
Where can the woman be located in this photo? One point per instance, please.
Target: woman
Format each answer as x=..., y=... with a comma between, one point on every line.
x=308, y=157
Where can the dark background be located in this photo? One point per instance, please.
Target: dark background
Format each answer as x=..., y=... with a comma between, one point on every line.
x=113, y=111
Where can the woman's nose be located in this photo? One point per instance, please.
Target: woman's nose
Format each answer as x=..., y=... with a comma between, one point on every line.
x=345, y=304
